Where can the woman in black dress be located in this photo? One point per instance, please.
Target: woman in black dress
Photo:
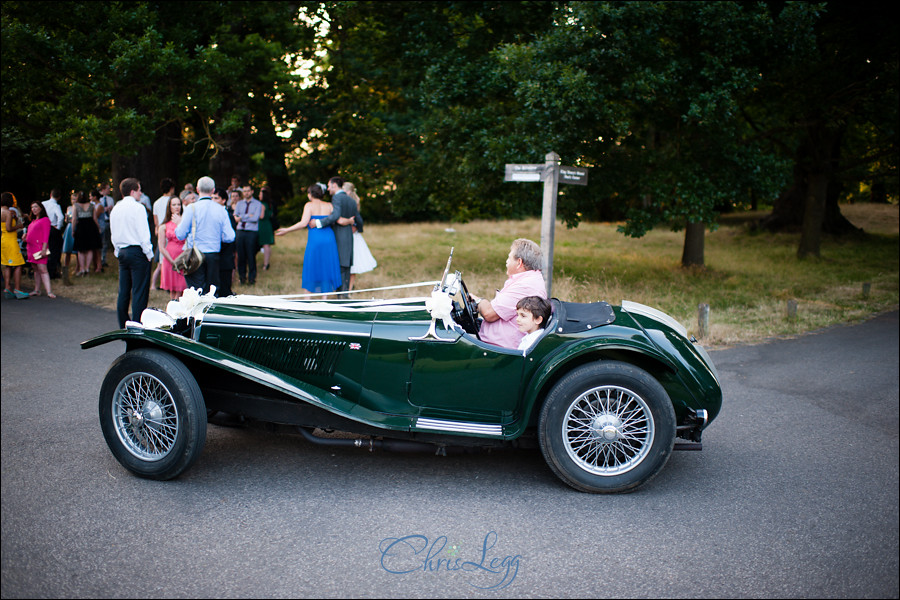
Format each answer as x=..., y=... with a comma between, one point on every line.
x=86, y=230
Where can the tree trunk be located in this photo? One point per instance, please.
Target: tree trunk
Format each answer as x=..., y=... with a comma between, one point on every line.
x=150, y=163
x=814, y=214
x=692, y=255
x=820, y=152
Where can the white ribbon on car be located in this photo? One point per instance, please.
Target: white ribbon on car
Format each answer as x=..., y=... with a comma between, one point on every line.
x=191, y=303
x=440, y=307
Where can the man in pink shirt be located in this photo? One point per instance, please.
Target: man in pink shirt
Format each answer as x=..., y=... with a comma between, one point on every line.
x=523, y=266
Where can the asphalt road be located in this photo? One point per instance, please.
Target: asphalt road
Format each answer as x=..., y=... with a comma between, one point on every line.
x=794, y=495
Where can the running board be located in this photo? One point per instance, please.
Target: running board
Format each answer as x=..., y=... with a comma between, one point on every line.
x=459, y=426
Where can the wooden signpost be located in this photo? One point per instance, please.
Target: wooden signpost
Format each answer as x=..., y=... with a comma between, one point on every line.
x=552, y=174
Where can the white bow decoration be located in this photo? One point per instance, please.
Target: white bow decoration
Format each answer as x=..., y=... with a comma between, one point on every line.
x=440, y=307
x=191, y=303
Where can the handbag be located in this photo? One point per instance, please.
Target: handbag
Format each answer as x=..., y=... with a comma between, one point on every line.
x=190, y=258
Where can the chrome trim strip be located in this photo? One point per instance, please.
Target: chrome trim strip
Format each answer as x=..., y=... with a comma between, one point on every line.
x=330, y=306
x=366, y=334
x=459, y=426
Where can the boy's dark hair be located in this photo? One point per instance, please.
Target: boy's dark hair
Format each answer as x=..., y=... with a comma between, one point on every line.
x=537, y=306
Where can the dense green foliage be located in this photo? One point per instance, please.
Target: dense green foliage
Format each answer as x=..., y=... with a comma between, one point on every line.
x=681, y=110
x=87, y=82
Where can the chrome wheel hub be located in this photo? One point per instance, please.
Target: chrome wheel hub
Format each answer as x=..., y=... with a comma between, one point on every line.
x=605, y=428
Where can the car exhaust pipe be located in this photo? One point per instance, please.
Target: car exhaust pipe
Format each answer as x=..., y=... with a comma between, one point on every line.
x=687, y=446
x=371, y=444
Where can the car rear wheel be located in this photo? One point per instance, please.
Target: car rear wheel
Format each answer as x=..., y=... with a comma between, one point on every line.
x=152, y=414
x=607, y=427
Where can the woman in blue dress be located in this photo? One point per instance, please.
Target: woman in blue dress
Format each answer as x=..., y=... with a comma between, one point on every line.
x=321, y=265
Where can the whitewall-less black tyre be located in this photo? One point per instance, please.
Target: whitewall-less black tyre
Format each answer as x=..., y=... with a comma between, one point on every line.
x=607, y=427
x=152, y=414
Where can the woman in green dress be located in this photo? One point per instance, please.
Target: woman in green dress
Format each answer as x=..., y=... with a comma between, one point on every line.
x=266, y=231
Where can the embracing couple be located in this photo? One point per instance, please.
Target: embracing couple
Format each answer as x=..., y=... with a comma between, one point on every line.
x=339, y=216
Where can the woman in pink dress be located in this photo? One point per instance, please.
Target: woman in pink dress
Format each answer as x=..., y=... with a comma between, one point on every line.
x=37, y=239
x=169, y=249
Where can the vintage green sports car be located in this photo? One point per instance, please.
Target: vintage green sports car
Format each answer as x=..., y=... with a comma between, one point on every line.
x=604, y=392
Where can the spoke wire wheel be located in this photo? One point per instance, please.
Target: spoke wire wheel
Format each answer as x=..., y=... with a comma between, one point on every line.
x=608, y=430
x=152, y=413
x=146, y=418
x=606, y=427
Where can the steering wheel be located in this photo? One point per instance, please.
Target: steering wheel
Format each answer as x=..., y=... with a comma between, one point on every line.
x=465, y=314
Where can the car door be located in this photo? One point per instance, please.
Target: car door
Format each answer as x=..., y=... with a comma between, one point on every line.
x=458, y=376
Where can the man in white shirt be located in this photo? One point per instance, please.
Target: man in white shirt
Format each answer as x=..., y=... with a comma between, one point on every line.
x=130, y=236
x=57, y=222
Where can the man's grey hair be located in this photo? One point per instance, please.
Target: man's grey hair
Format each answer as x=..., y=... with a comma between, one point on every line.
x=529, y=252
x=206, y=185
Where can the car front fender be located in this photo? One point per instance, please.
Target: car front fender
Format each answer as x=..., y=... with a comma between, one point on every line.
x=187, y=348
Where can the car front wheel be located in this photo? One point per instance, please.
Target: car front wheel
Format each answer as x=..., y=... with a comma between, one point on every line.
x=607, y=427
x=152, y=414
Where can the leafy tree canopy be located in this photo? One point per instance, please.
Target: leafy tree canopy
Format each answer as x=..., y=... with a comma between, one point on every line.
x=680, y=109
x=95, y=79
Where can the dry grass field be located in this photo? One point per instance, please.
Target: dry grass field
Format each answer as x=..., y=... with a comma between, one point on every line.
x=747, y=281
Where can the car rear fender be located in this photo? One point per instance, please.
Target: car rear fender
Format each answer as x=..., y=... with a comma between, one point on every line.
x=189, y=350
x=555, y=366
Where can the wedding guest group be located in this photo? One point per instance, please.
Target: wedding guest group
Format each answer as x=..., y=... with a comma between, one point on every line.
x=228, y=226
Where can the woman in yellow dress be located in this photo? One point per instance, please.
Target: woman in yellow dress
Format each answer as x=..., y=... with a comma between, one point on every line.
x=10, y=255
